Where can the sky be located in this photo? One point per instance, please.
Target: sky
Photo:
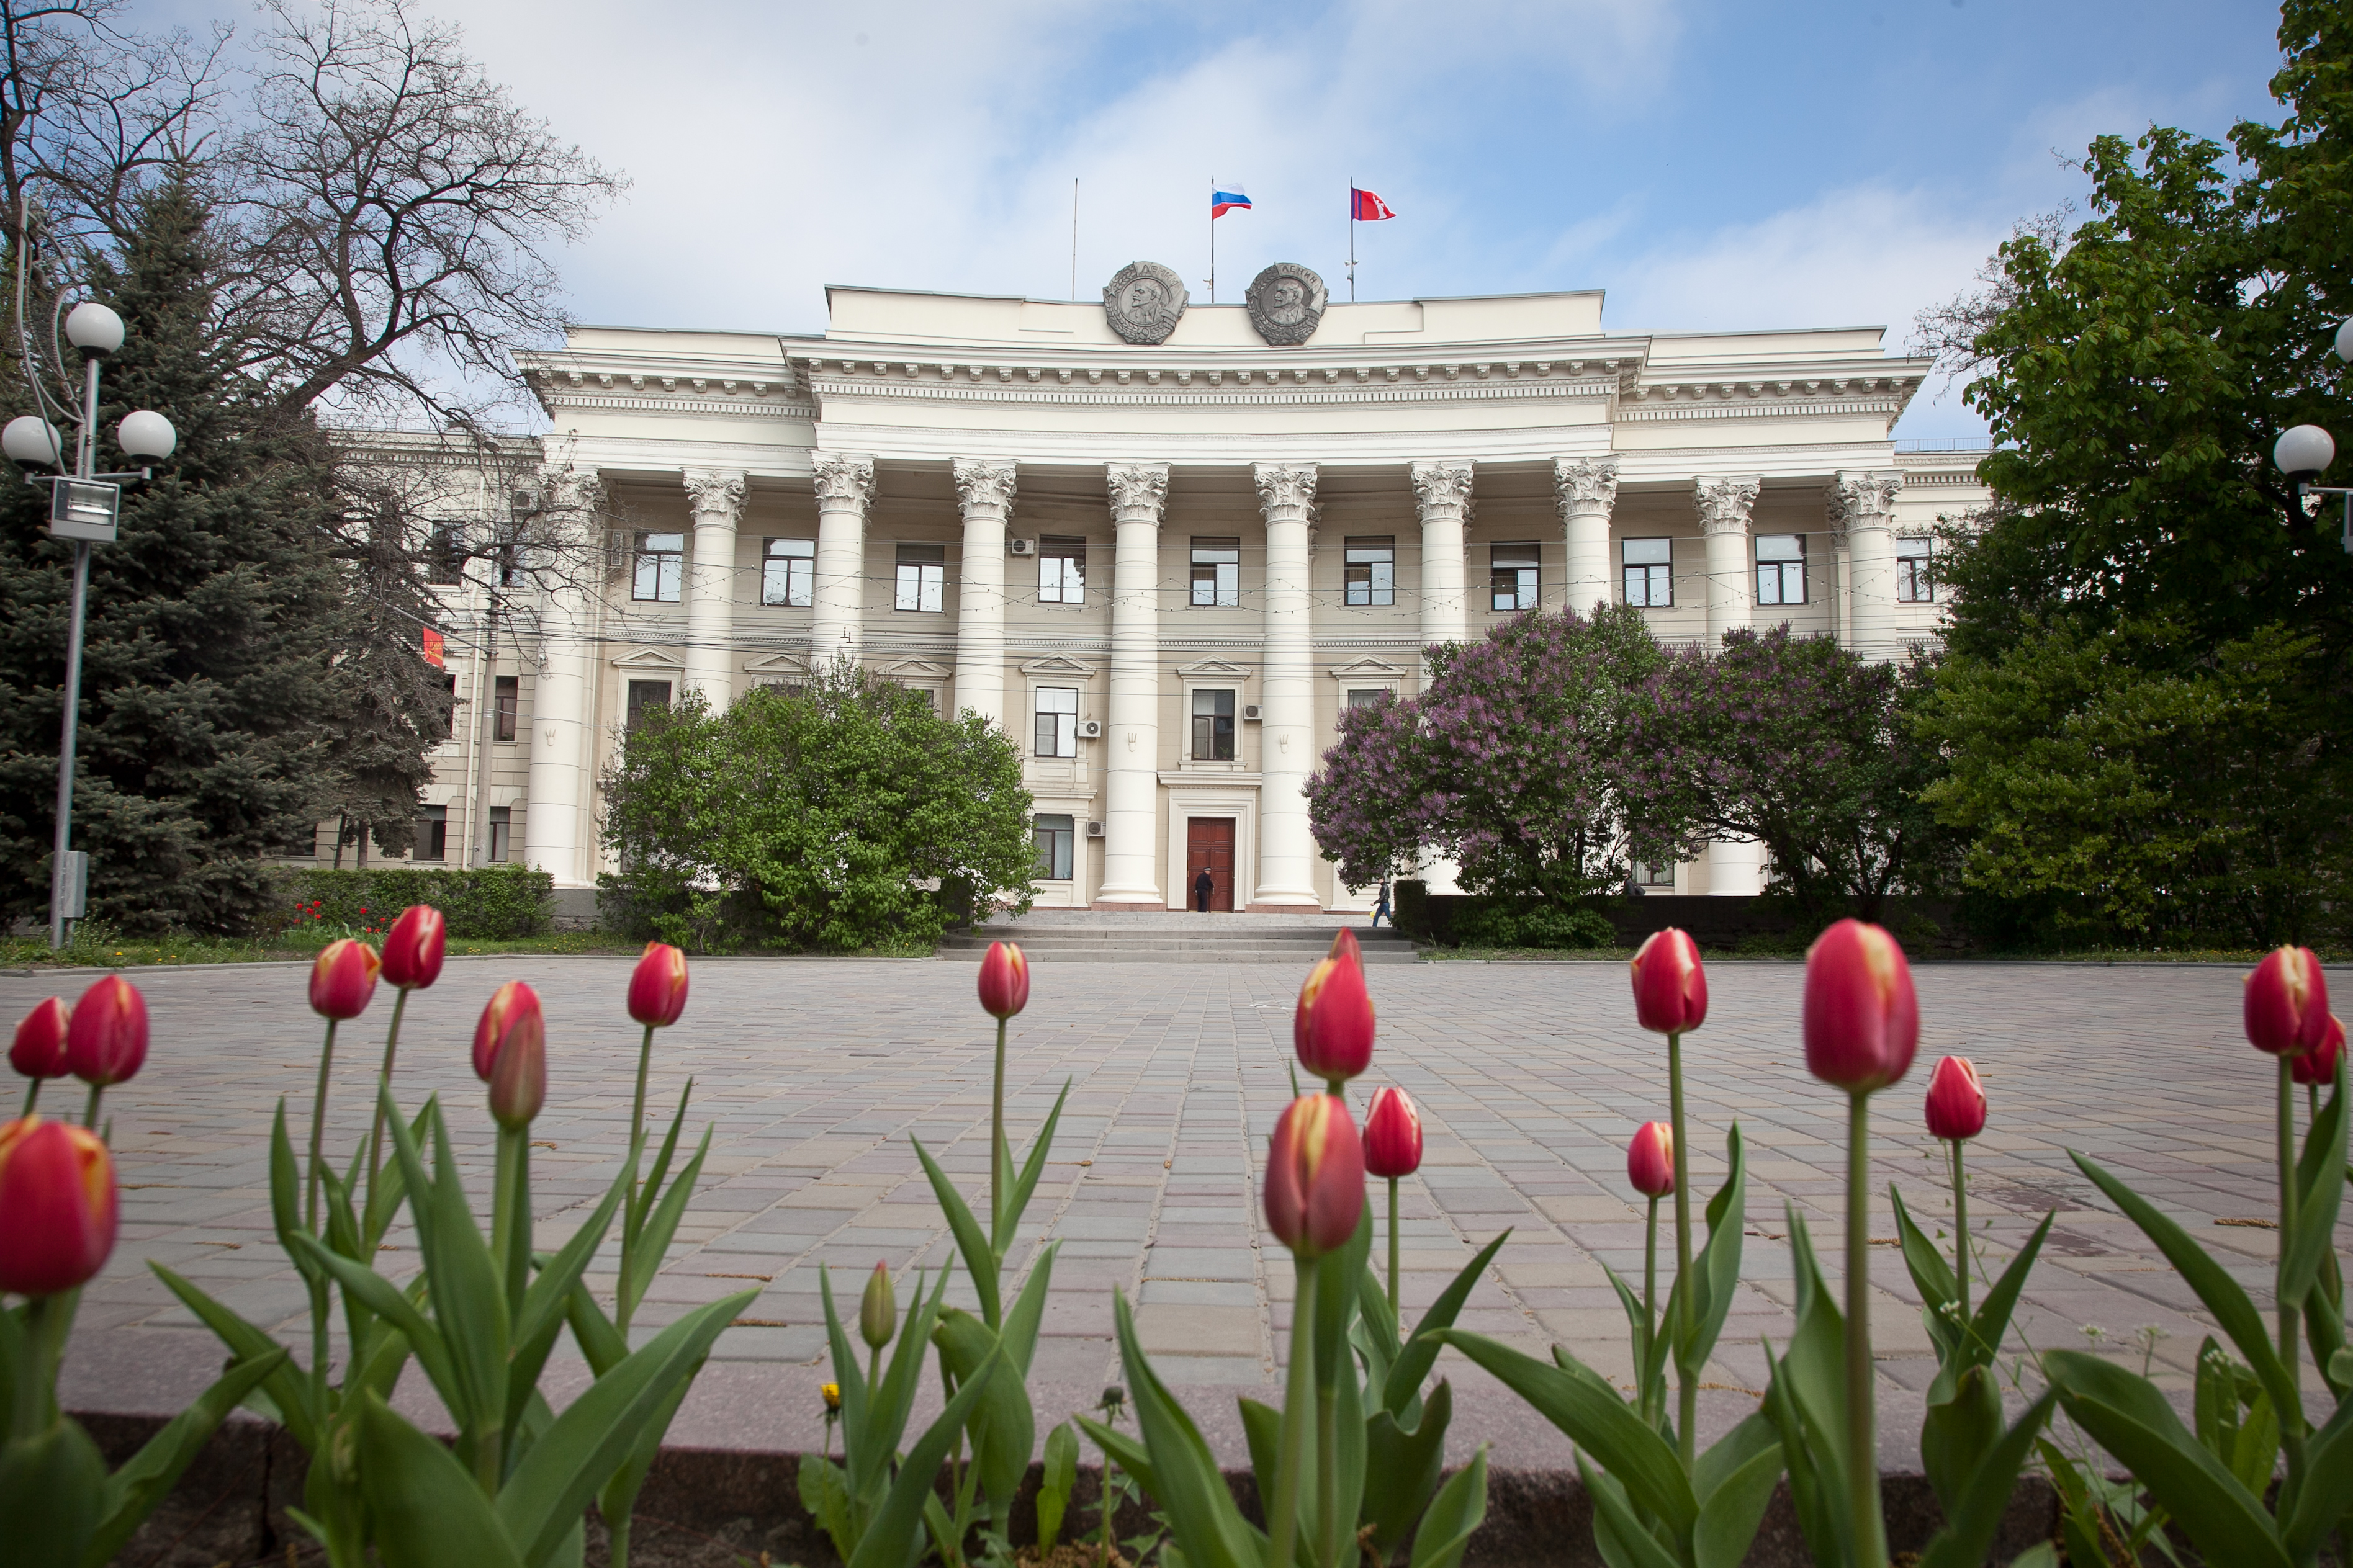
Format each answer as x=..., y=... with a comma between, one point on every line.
x=1709, y=164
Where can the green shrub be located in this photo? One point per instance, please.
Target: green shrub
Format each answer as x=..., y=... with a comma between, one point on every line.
x=1536, y=925
x=495, y=902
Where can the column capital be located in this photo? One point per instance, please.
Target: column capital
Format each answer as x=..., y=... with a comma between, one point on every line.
x=844, y=477
x=570, y=490
x=717, y=490
x=1440, y=484
x=1861, y=499
x=1725, y=502
x=1138, y=491
x=1582, y=484
x=984, y=481
x=1286, y=487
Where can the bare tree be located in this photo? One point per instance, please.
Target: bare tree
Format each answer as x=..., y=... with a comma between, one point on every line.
x=1950, y=332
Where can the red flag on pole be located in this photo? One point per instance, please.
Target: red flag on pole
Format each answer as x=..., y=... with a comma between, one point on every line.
x=436, y=650
x=1367, y=207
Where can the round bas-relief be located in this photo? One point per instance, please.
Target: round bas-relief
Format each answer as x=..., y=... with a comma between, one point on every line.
x=1142, y=300
x=1286, y=303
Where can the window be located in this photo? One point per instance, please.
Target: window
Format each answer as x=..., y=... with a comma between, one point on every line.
x=1218, y=571
x=1058, y=720
x=922, y=577
x=1366, y=696
x=1371, y=569
x=432, y=833
x=1213, y=726
x=445, y=556
x=1055, y=837
x=644, y=695
x=788, y=572
x=1646, y=875
x=508, y=695
x=1651, y=573
x=1061, y=571
x=450, y=717
x=501, y=833
x=1512, y=576
x=659, y=557
x=1915, y=578
x=1781, y=569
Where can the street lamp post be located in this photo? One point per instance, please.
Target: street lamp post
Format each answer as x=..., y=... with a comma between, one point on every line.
x=2304, y=452
x=84, y=508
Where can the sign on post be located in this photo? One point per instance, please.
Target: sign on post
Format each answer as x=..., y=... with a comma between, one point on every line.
x=73, y=890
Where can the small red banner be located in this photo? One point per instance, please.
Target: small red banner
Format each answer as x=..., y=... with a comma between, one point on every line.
x=436, y=650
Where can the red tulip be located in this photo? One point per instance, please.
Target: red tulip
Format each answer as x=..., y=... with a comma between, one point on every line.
x=1670, y=987
x=1651, y=1159
x=2286, y=1003
x=1315, y=1176
x=106, y=1038
x=1392, y=1134
x=2318, y=1065
x=1862, y=1019
x=510, y=1054
x=343, y=978
x=498, y=1014
x=1956, y=1102
x=412, y=949
x=1004, y=980
x=1331, y=1028
x=39, y=1047
x=657, y=985
x=57, y=1206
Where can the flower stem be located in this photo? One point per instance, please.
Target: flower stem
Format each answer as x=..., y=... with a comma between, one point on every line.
x=2287, y=1309
x=519, y=1224
x=89, y=1111
x=1686, y=1376
x=1000, y=1158
x=1650, y=1299
x=1865, y=1528
x=32, y=1098
x=1393, y=1250
x=375, y=1125
x=1962, y=1231
x=318, y=1127
x=1283, y=1519
x=632, y=1220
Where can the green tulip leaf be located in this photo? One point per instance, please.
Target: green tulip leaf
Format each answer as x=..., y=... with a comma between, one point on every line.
x=132, y=1491
x=1057, y=1479
x=2323, y=1500
x=1349, y=1446
x=1717, y=1269
x=52, y=1489
x=1128, y=1453
x=1735, y=1481
x=2313, y=1240
x=1976, y=1515
x=1931, y=1275
x=2323, y=1158
x=286, y=1189
x=387, y=1302
x=426, y=1510
x=1618, y=1531
x=636, y=1221
x=972, y=1242
x=544, y=1302
x=1419, y=1353
x=1402, y=1467
x=658, y=1226
x=1639, y=1333
x=1992, y=1324
x=1209, y=1529
x=1816, y=1498
x=1032, y=1168
x=1002, y=1425
x=288, y=1390
x=1262, y=1434
x=1958, y=1433
x=1457, y=1511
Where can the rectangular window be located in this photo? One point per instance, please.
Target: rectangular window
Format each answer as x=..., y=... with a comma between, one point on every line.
x=1366, y=696
x=1649, y=875
x=449, y=719
x=1056, y=837
x=789, y=573
x=509, y=696
x=1650, y=573
x=1213, y=726
x=922, y=577
x=1218, y=571
x=1781, y=569
x=445, y=556
x=501, y=833
x=660, y=558
x=1058, y=721
x=1371, y=569
x=644, y=695
x=1512, y=576
x=1915, y=578
x=432, y=833
x=1061, y=571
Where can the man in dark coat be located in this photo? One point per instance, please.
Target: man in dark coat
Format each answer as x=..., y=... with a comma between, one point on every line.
x=1203, y=886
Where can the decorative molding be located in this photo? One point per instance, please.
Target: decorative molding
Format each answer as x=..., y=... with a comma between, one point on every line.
x=1142, y=303
x=844, y=479
x=1724, y=503
x=1058, y=664
x=717, y=490
x=1224, y=386
x=570, y=490
x=1214, y=669
x=1289, y=487
x=1439, y=486
x=1370, y=667
x=1860, y=500
x=1138, y=491
x=1585, y=484
x=983, y=482
x=653, y=658
x=1286, y=303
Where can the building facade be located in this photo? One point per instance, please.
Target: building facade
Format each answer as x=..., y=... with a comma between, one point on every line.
x=1164, y=545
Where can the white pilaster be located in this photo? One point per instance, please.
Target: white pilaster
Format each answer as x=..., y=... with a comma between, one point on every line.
x=845, y=484
x=1587, y=489
x=1863, y=504
x=1286, y=848
x=985, y=491
x=715, y=500
x=1132, y=775
x=561, y=760
x=1441, y=494
x=1725, y=505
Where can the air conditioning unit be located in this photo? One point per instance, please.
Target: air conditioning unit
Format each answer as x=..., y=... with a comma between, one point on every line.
x=524, y=502
x=1091, y=730
x=1094, y=830
x=1253, y=711
x=1021, y=546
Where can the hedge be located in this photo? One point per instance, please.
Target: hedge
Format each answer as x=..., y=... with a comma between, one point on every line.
x=492, y=902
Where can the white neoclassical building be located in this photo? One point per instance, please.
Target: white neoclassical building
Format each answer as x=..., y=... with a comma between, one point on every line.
x=1163, y=546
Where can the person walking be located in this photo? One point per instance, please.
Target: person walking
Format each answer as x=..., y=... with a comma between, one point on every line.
x=1381, y=906
x=1203, y=886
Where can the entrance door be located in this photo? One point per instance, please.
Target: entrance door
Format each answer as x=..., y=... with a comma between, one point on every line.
x=1209, y=845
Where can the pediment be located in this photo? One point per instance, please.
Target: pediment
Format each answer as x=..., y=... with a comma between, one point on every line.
x=908, y=669
x=1372, y=669
x=1215, y=669
x=778, y=664
x=651, y=659
x=1057, y=664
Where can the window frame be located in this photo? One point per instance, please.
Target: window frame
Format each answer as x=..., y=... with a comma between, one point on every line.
x=669, y=569
x=1064, y=735
x=501, y=834
x=432, y=825
x=799, y=572
x=1915, y=570
x=929, y=562
x=1654, y=572
x=636, y=699
x=1196, y=737
x=1779, y=566
x=1058, y=856
x=506, y=701
x=1528, y=575
x=1380, y=567
x=1223, y=594
x=1065, y=558
x=446, y=555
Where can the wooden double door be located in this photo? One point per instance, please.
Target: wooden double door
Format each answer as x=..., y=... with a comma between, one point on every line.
x=1209, y=847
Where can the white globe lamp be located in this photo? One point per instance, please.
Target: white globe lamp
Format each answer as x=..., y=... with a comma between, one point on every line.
x=94, y=329
x=33, y=442
x=146, y=434
x=2303, y=452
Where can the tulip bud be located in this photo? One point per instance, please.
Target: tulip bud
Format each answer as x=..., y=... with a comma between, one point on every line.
x=1331, y=1028
x=1956, y=1102
x=510, y=1054
x=1392, y=1135
x=1004, y=980
x=106, y=1038
x=39, y=1047
x=1651, y=1160
x=657, y=985
x=57, y=1206
x=1862, y=1019
x=413, y=947
x=498, y=1017
x=1315, y=1176
x=343, y=978
x=2318, y=1066
x=878, y=1311
x=2286, y=1003
x=1670, y=987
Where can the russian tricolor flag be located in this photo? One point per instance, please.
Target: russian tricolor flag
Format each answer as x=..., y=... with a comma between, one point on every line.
x=1225, y=200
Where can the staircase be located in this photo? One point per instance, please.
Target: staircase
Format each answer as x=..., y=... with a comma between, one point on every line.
x=1094, y=936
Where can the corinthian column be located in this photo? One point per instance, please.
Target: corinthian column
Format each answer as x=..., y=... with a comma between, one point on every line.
x=1723, y=508
x=1441, y=494
x=560, y=763
x=845, y=483
x=1587, y=489
x=985, y=489
x=1864, y=506
x=1286, y=850
x=715, y=499
x=1132, y=781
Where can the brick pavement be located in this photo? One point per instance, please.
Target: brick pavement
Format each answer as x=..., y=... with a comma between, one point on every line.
x=1530, y=1078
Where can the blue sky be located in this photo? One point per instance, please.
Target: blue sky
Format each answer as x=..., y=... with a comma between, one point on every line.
x=1711, y=164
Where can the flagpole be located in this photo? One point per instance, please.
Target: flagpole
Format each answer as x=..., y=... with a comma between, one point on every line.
x=1213, y=240
x=1352, y=239
x=1074, y=236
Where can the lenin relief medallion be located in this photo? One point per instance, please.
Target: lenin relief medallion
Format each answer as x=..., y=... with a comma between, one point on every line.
x=1143, y=302
x=1286, y=303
